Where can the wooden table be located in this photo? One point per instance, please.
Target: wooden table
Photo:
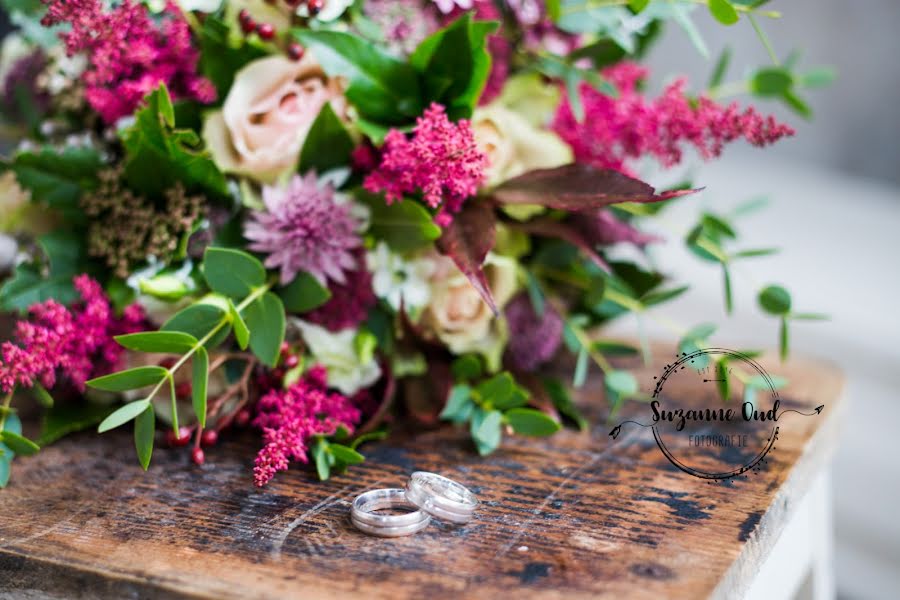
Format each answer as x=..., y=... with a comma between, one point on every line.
x=576, y=515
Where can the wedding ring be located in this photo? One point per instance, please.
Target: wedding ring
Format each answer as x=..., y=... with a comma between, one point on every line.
x=441, y=497
x=362, y=513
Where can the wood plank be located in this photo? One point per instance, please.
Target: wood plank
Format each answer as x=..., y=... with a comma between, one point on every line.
x=576, y=515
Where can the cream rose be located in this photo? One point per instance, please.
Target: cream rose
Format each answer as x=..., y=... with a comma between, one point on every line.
x=513, y=145
x=460, y=318
x=271, y=105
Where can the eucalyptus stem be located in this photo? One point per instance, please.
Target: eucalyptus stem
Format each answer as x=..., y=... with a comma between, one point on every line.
x=749, y=10
x=585, y=342
x=170, y=372
x=7, y=401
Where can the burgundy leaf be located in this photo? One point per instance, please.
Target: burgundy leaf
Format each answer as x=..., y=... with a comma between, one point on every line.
x=467, y=240
x=578, y=187
x=564, y=232
x=385, y=390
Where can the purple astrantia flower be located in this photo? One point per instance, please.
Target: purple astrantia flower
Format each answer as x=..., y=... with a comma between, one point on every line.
x=304, y=227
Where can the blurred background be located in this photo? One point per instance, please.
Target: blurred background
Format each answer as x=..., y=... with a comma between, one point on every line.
x=834, y=210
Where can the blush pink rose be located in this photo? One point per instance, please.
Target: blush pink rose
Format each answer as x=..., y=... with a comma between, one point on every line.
x=268, y=112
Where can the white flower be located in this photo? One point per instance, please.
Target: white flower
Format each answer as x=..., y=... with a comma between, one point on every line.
x=398, y=280
x=331, y=11
x=337, y=353
x=206, y=6
x=447, y=6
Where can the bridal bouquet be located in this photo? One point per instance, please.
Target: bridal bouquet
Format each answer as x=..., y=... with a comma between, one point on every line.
x=316, y=217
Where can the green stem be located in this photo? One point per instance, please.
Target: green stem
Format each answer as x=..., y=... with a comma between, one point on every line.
x=764, y=39
x=585, y=342
x=170, y=373
x=7, y=400
x=733, y=88
x=623, y=300
x=749, y=10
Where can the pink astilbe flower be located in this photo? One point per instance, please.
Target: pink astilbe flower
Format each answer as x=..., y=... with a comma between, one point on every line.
x=304, y=227
x=76, y=343
x=289, y=418
x=129, y=54
x=630, y=126
x=441, y=160
x=533, y=338
x=349, y=303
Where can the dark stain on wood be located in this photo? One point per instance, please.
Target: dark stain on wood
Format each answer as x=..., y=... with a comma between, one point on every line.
x=578, y=515
x=749, y=525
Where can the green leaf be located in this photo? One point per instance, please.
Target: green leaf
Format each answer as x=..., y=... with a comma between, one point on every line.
x=123, y=415
x=68, y=417
x=755, y=253
x=459, y=404
x=320, y=456
x=382, y=88
x=65, y=254
x=613, y=348
x=820, y=77
x=771, y=81
x=637, y=6
x=173, y=342
x=529, y=421
x=19, y=444
x=721, y=68
x=404, y=225
x=486, y=429
x=198, y=320
x=327, y=145
x=467, y=367
x=241, y=333
x=810, y=317
x=5, y=461
x=726, y=283
x=158, y=156
x=621, y=382
x=454, y=64
x=265, y=318
x=775, y=300
x=41, y=394
x=57, y=177
x=165, y=286
x=661, y=296
x=130, y=379
x=554, y=9
x=232, y=273
x=562, y=401
x=723, y=12
x=199, y=383
x=497, y=388
x=345, y=454
x=581, y=368
x=304, y=293
x=144, y=430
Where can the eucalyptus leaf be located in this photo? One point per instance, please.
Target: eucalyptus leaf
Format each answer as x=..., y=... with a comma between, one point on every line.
x=459, y=404
x=345, y=454
x=18, y=443
x=266, y=320
x=775, y=300
x=144, y=431
x=487, y=431
x=232, y=273
x=199, y=320
x=123, y=415
x=327, y=145
x=174, y=342
x=130, y=379
x=529, y=421
x=303, y=294
x=241, y=332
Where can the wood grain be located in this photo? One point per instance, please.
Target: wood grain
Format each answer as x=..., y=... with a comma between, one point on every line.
x=577, y=515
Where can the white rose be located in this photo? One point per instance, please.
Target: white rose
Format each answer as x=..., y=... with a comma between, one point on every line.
x=460, y=318
x=268, y=112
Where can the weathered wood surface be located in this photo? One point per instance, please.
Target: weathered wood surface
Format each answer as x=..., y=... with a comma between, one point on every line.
x=577, y=515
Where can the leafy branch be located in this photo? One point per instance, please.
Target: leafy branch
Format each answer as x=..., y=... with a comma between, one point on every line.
x=257, y=320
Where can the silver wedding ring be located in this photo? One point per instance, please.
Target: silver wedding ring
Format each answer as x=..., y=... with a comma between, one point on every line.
x=363, y=515
x=426, y=495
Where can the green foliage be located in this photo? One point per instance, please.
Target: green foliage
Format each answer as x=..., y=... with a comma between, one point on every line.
x=232, y=273
x=199, y=384
x=64, y=257
x=496, y=401
x=454, y=65
x=303, y=294
x=265, y=319
x=723, y=12
x=11, y=426
x=330, y=456
x=18, y=443
x=327, y=145
x=404, y=225
x=56, y=178
x=174, y=342
x=144, y=430
x=382, y=88
x=158, y=156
